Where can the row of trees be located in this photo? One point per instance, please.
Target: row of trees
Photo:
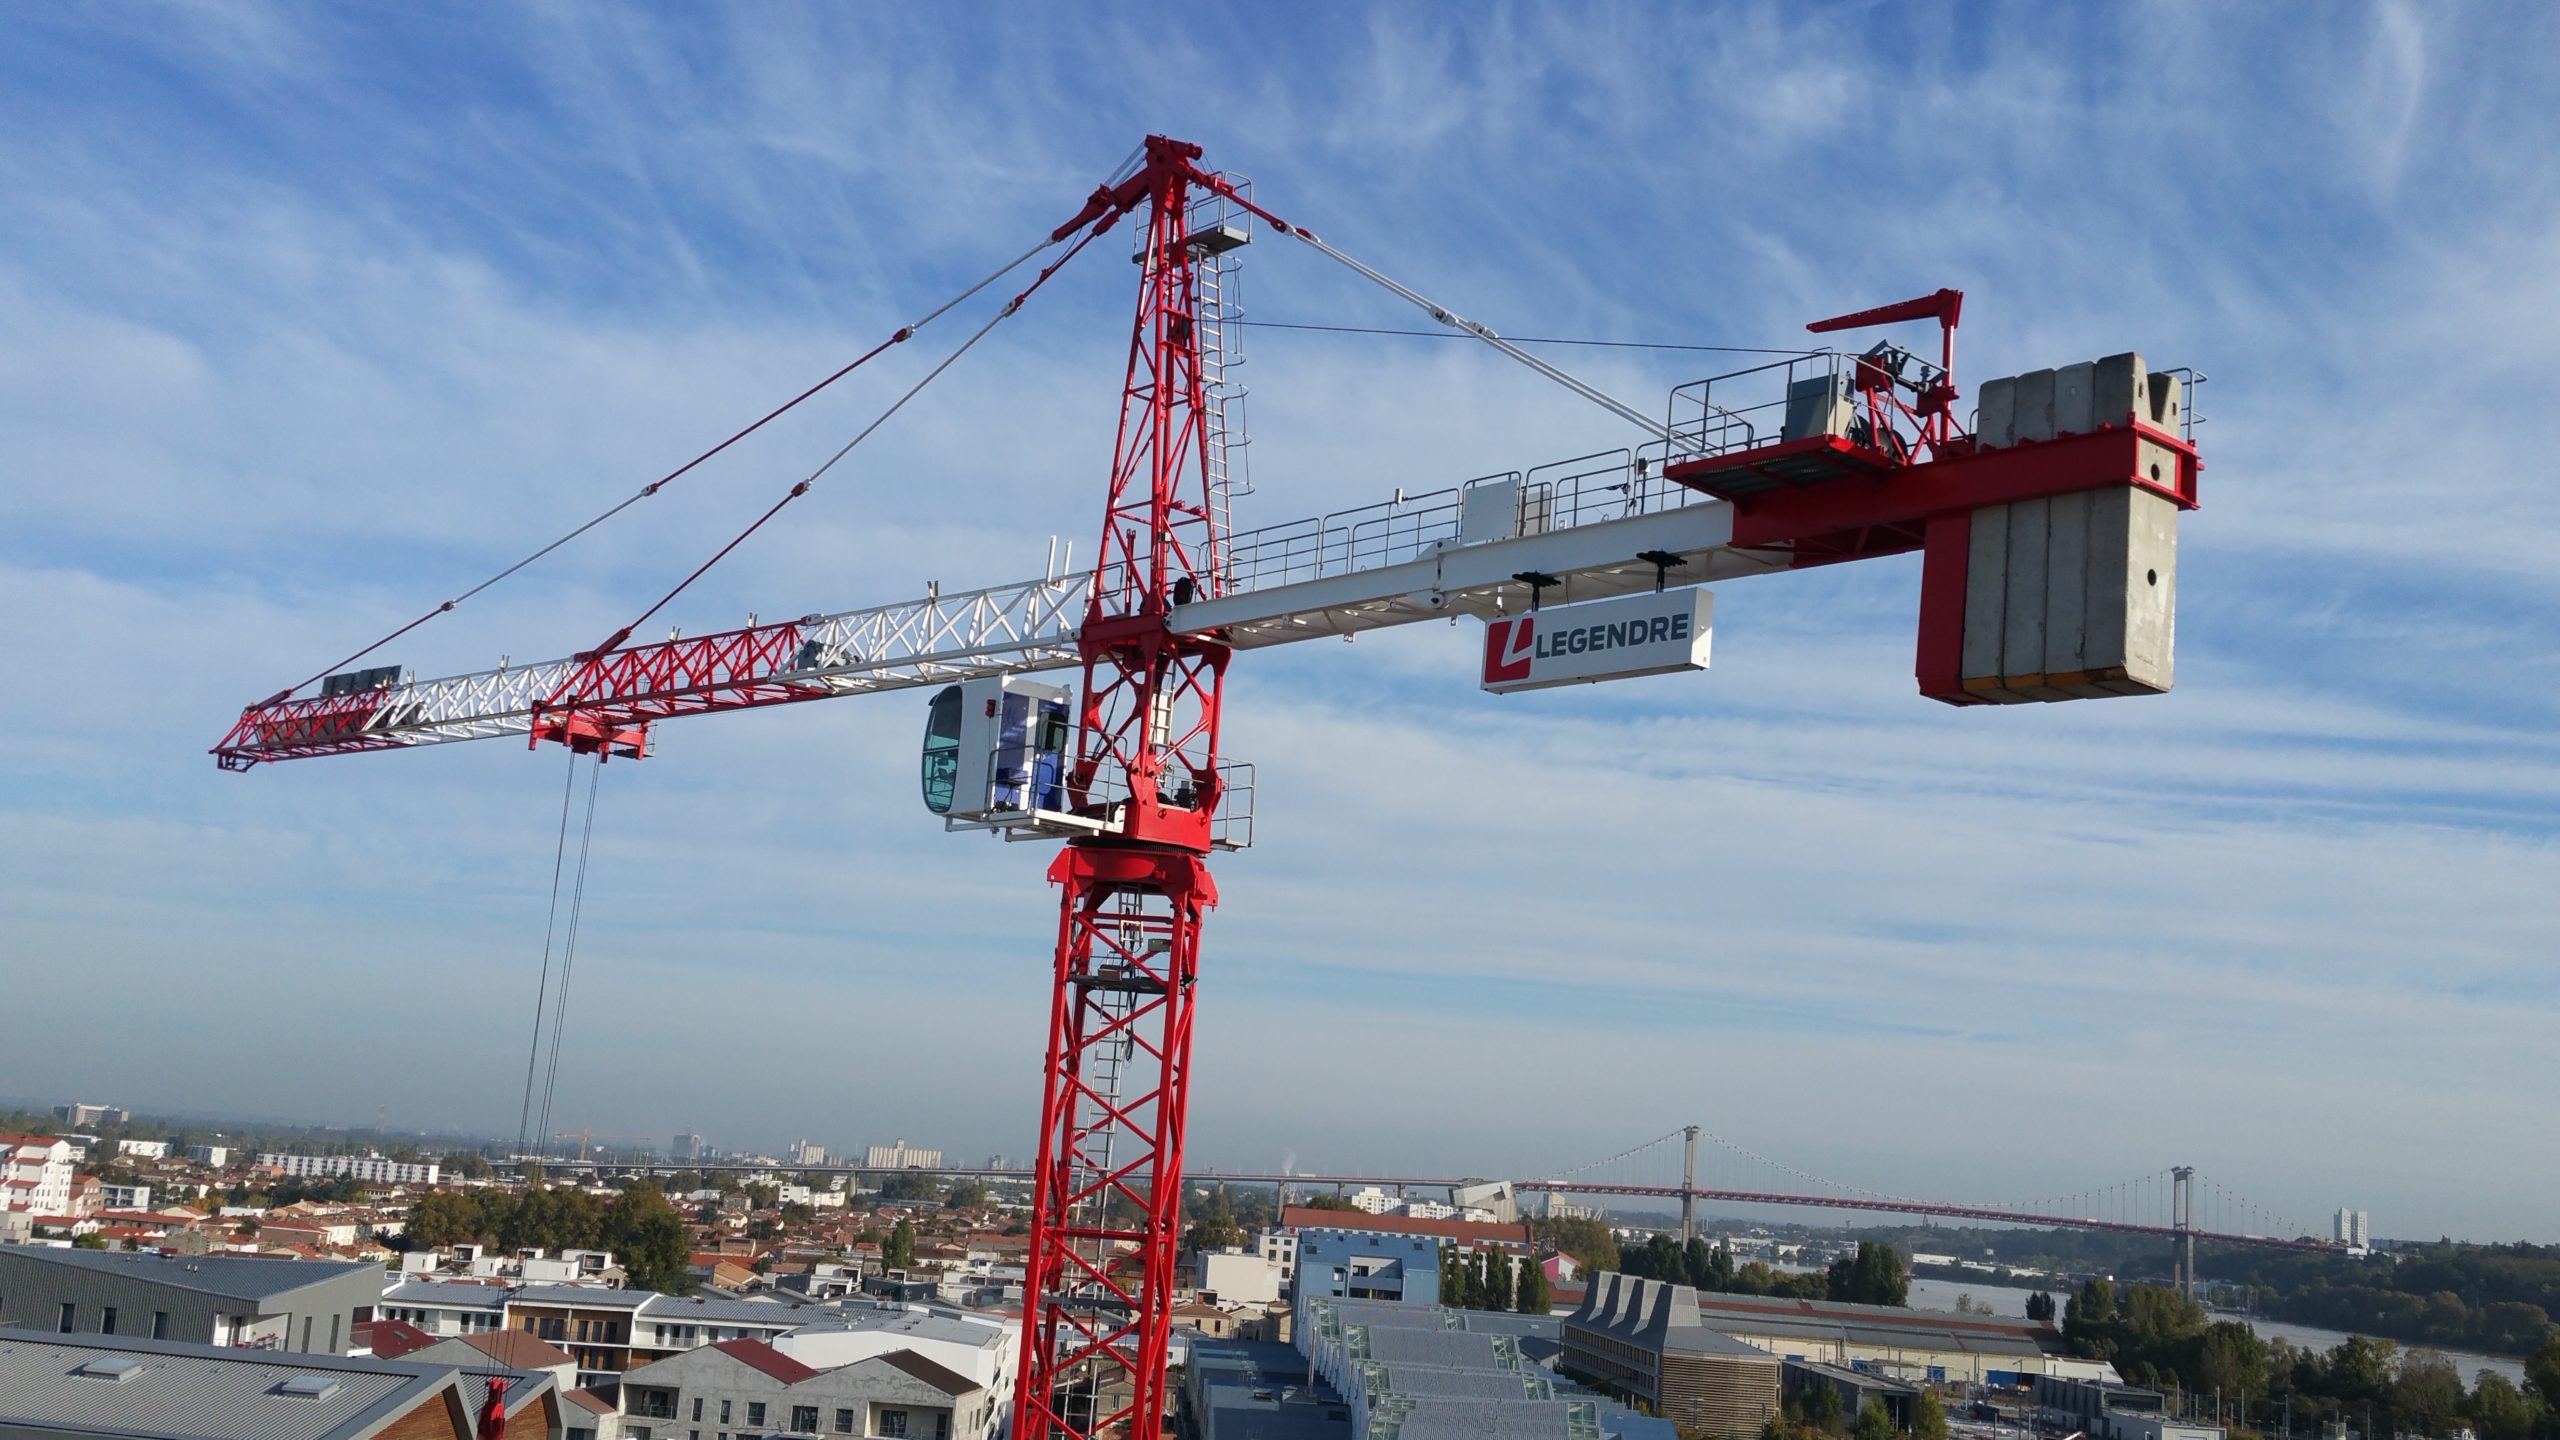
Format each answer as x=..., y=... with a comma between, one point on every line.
x=1873, y=1274
x=1821, y=1412
x=639, y=1226
x=1490, y=1280
x=2156, y=1337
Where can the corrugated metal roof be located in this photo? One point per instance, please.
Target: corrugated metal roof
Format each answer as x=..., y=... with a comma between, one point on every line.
x=192, y=1392
x=233, y=1277
x=1452, y=1349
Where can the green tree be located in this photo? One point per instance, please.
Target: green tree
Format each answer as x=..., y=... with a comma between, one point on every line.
x=1873, y=1275
x=2040, y=1307
x=1498, y=1282
x=2498, y=1410
x=1327, y=1202
x=2542, y=1373
x=90, y=1241
x=440, y=1218
x=1589, y=1242
x=1873, y=1423
x=466, y=1165
x=1216, y=1229
x=2426, y=1393
x=1530, y=1296
x=647, y=1235
x=1824, y=1412
x=2234, y=1360
x=899, y=1252
x=1453, y=1287
x=965, y=1195
x=1928, y=1418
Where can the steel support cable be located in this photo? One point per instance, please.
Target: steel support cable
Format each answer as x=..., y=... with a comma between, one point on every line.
x=898, y=337
x=1521, y=339
x=614, y=641
x=542, y=989
x=1487, y=334
x=1613, y=1159
x=569, y=953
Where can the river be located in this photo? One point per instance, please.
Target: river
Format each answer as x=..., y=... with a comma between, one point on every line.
x=1930, y=1294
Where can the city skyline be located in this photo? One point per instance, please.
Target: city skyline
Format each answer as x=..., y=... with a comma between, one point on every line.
x=324, y=317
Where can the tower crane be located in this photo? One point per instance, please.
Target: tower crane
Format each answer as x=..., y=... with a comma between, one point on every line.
x=2047, y=522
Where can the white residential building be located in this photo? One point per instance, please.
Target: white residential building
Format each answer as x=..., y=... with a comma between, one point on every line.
x=1240, y=1277
x=901, y=1156
x=144, y=1149
x=982, y=1347
x=35, y=1174
x=374, y=1168
x=2353, y=1230
x=216, y=1156
x=124, y=1197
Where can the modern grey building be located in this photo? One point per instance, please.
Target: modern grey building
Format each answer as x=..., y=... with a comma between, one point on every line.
x=232, y=1300
x=109, y=1387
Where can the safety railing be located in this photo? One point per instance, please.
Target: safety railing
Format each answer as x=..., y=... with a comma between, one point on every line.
x=1747, y=408
x=1587, y=489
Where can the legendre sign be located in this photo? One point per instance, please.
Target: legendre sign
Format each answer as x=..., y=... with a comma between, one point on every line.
x=1599, y=640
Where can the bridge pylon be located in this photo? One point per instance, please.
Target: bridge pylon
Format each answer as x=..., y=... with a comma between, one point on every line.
x=2182, y=1217
x=1689, y=1188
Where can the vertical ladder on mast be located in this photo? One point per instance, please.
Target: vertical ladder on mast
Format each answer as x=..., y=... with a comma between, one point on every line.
x=1217, y=229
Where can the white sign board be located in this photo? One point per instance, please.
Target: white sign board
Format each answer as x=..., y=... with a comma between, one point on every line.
x=1599, y=640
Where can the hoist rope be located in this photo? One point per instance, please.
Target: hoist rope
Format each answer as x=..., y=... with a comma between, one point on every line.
x=542, y=989
x=900, y=336
x=569, y=955
x=800, y=488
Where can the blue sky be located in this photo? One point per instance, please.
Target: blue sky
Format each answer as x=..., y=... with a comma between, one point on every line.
x=311, y=315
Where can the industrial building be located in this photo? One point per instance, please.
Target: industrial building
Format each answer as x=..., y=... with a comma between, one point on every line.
x=1922, y=1345
x=1801, y=1379
x=901, y=1156
x=115, y=1387
x=2107, y=1410
x=254, y=1302
x=1642, y=1339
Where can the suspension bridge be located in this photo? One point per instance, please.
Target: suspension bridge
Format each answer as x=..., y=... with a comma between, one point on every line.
x=1690, y=1166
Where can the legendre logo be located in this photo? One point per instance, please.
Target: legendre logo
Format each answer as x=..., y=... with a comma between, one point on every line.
x=1598, y=640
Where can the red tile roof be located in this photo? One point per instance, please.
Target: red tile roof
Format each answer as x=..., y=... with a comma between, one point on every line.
x=391, y=1339
x=1303, y=1218
x=767, y=1359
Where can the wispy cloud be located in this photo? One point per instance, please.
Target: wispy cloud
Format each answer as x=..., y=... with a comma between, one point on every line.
x=315, y=318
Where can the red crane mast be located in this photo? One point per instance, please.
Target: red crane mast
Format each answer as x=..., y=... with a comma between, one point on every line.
x=1106, y=1188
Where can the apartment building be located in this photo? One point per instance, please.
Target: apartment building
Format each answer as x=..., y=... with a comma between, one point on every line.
x=374, y=1169
x=745, y=1387
x=35, y=1174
